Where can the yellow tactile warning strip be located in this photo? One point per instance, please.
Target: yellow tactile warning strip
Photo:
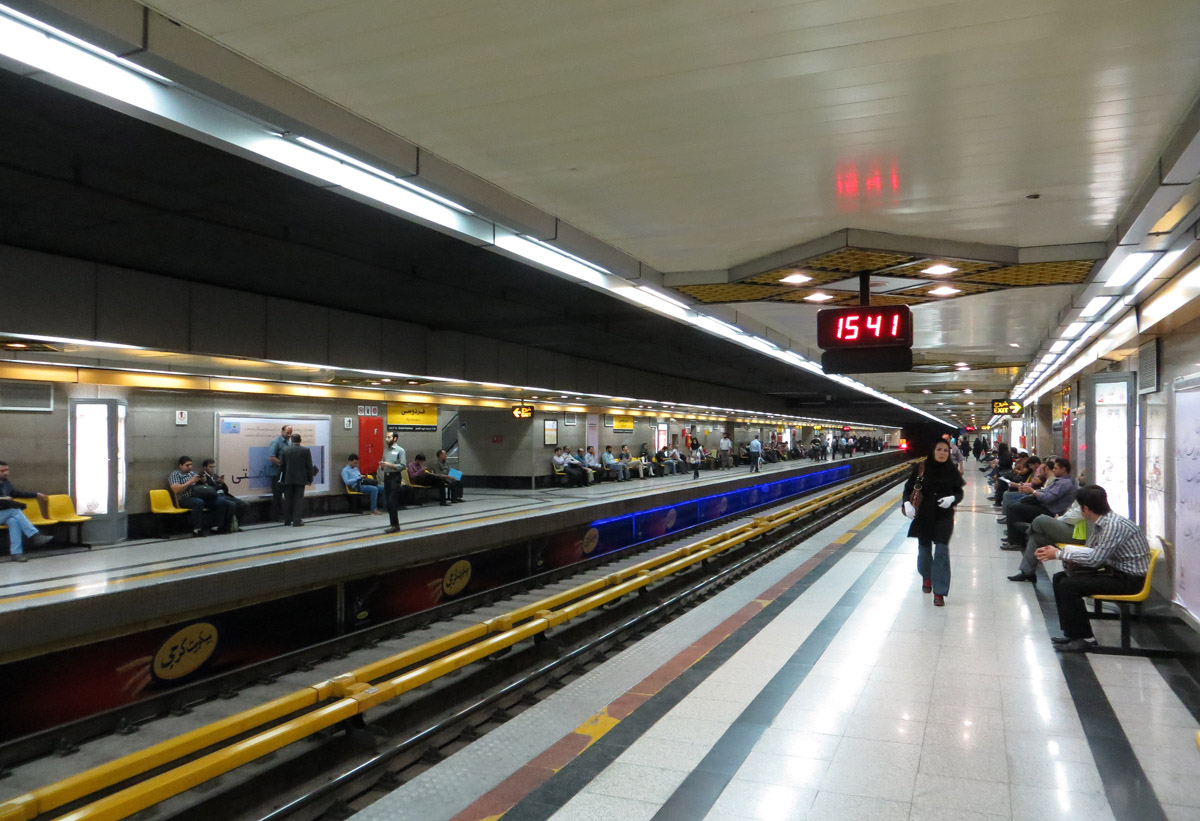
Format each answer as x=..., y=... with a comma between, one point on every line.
x=537, y=771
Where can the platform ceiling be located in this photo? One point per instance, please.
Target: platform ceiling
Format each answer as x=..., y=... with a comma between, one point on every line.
x=704, y=136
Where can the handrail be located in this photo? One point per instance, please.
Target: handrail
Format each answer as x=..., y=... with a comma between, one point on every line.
x=355, y=692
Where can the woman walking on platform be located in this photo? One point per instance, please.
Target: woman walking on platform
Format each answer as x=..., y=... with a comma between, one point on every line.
x=938, y=487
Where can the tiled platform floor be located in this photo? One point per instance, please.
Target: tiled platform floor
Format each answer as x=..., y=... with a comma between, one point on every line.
x=855, y=699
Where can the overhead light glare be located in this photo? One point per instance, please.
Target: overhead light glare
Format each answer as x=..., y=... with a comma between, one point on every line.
x=1059, y=346
x=1130, y=267
x=1074, y=329
x=1095, y=306
x=796, y=279
x=945, y=290
x=939, y=270
x=818, y=298
x=661, y=296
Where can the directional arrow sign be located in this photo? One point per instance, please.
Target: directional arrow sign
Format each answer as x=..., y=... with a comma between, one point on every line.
x=1006, y=407
x=522, y=411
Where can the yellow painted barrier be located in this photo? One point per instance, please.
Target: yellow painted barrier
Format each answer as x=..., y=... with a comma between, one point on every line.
x=353, y=692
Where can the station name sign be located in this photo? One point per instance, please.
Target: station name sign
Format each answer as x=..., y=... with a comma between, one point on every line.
x=522, y=411
x=1006, y=407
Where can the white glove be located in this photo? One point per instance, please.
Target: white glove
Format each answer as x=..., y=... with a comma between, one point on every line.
x=909, y=511
x=945, y=502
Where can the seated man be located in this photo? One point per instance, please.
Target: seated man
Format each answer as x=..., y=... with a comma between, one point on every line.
x=1053, y=499
x=631, y=463
x=353, y=479
x=1114, y=561
x=578, y=464
x=615, y=465
x=421, y=476
x=1048, y=530
x=666, y=462
x=441, y=468
x=209, y=478
x=576, y=476
x=190, y=492
x=12, y=513
x=592, y=463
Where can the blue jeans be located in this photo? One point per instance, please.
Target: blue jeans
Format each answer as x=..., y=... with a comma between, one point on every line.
x=19, y=528
x=372, y=493
x=939, y=557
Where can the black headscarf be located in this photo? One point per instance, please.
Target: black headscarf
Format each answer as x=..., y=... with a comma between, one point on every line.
x=941, y=473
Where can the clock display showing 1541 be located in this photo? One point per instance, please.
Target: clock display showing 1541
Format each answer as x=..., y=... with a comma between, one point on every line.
x=864, y=327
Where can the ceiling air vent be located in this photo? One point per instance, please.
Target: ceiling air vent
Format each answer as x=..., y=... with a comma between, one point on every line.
x=1147, y=372
x=26, y=396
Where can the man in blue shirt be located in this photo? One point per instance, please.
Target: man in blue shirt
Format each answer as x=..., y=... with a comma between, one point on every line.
x=353, y=479
x=1051, y=500
x=614, y=464
x=275, y=468
x=12, y=514
x=755, y=454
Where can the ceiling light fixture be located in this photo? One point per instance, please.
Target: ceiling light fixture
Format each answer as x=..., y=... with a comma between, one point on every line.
x=945, y=290
x=796, y=279
x=1095, y=306
x=818, y=298
x=938, y=270
x=1074, y=329
x=1059, y=346
x=1130, y=267
x=926, y=390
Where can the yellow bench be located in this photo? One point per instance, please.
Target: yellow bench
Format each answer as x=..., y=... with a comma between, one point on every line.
x=1124, y=604
x=62, y=510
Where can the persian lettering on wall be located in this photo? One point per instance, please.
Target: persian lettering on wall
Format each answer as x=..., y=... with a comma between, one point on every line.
x=402, y=416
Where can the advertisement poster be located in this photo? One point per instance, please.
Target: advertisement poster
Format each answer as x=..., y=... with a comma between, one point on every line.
x=1154, y=479
x=243, y=442
x=1187, y=500
x=402, y=416
x=1112, y=443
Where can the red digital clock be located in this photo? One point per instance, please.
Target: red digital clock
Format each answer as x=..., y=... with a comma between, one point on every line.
x=864, y=327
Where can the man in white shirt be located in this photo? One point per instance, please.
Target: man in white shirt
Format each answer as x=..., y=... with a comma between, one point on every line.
x=725, y=449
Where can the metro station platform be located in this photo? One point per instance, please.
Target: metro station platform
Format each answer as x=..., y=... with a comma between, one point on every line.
x=271, y=590
x=825, y=685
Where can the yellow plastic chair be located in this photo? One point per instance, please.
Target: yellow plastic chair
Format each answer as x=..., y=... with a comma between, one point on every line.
x=62, y=510
x=161, y=502
x=33, y=512
x=1124, y=603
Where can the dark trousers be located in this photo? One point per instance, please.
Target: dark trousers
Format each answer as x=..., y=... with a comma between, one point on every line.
x=195, y=507
x=1070, y=591
x=277, y=498
x=577, y=476
x=294, y=504
x=1023, y=513
x=754, y=461
x=442, y=483
x=392, y=487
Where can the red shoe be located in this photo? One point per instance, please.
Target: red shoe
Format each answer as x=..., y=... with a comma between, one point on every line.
x=927, y=586
x=939, y=601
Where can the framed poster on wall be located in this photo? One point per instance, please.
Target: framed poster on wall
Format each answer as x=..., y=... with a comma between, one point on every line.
x=549, y=431
x=242, y=443
x=569, y=419
x=1186, y=533
x=1111, y=442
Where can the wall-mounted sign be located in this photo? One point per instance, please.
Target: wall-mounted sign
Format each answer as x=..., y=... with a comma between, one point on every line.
x=403, y=416
x=985, y=427
x=549, y=431
x=622, y=424
x=522, y=411
x=368, y=410
x=180, y=417
x=1006, y=407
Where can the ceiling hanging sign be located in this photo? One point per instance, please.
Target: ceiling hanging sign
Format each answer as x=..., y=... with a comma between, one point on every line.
x=522, y=411
x=1006, y=407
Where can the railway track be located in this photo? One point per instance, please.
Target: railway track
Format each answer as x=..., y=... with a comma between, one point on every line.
x=439, y=686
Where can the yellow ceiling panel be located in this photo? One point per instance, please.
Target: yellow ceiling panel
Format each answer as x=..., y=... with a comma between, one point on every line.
x=818, y=277
x=856, y=260
x=1068, y=272
x=730, y=292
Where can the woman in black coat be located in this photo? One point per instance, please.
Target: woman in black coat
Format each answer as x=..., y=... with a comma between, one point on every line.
x=933, y=521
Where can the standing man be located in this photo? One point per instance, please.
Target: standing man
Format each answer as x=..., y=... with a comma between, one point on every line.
x=755, y=454
x=274, y=467
x=296, y=471
x=391, y=463
x=725, y=449
x=12, y=514
x=1116, y=552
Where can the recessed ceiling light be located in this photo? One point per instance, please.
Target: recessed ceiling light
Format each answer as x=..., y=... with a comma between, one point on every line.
x=926, y=390
x=941, y=403
x=945, y=290
x=796, y=279
x=385, y=380
x=1014, y=344
x=968, y=390
x=959, y=364
x=963, y=368
x=970, y=403
x=938, y=270
x=413, y=382
x=16, y=345
x=818, y=298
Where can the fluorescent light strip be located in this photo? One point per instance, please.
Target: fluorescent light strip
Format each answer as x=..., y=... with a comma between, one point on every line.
x=1130, y=267
x=1095, y=306
x=63, y=56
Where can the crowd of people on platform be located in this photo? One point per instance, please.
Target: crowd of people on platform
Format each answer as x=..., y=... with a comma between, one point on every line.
x=584, y=467
x=1047, y=516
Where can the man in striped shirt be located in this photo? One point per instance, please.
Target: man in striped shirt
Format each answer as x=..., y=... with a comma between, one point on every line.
x=1114, y=561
